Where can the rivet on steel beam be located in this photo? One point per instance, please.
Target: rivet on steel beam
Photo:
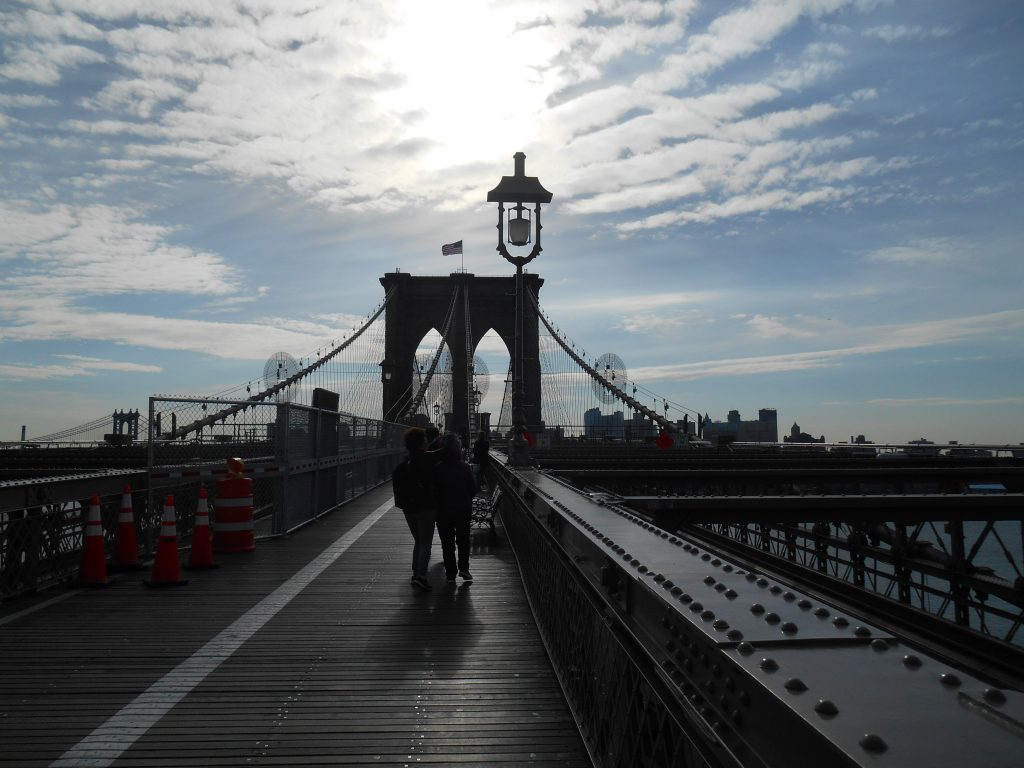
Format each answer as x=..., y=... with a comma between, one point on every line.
x=730, y=684
x=862, y=632
x=673, y=540
x=731, y=594
x=769, y=665
x=705, y=556
x=762, y=582
x=772, y=618
x=685, y=598
x=709, y=686
x=911, y=661
x=665, y=621
x=736, y=716
x=634, y=562
x=674, y=631
x=721, y=625
x=948, y=678
x=676, y=591
x=745, y=648
x=789, y=628
x=735, y=634
x=840, y=621
x=664, y=535
x=679, y=543
x=696, y=607
x=995, y=696
x=720, y=587
x=757, y=609
x=804, y=605
x=775, y=590
x=716, y=562
x=795, y=685
x=821, y=613
x=873, y=743
x=642, y=569
x=826, y=708
x=727, y=568
x=879, y=644
x=751, y=577
x=707, y=615
x=744, y=698
x=659, y=578
x=709, y=580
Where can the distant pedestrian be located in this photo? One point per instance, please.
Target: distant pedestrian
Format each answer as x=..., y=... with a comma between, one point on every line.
x=454, y=487
x=414, y=494
x=481, y=456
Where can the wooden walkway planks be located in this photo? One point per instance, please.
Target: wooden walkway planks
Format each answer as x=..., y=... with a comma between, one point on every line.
x=358, y=669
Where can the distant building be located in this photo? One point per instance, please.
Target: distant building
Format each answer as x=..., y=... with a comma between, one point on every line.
x=796, y=436
x=599, y=426
x=764, y=430
x=613, y=426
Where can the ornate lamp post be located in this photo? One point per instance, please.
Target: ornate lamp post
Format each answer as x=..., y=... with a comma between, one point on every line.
x=519, y=190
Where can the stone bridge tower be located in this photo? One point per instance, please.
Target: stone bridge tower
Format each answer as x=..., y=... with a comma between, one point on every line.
x=421, y=304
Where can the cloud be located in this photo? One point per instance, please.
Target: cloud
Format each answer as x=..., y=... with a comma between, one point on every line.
x=73, y=366
x=765, y=327
x=878, y=339
x=937, y=250
x=892, y=33
x=99, y=250
x=907, y=402
x=236, y=341
x=42, y=64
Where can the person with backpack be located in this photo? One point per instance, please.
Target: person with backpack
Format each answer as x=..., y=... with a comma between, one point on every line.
x=454, y=489
x=414, y=495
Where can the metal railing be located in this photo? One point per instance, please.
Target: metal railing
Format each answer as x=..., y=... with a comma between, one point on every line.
x=304, y=463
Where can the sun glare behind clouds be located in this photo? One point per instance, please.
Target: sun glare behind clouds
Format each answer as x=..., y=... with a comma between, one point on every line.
x=473, y=83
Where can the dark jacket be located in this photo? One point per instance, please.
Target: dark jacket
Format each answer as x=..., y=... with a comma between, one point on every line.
x=454, y=488
x=423, y=463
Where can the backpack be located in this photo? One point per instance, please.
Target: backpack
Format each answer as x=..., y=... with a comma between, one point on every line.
x=404, y=485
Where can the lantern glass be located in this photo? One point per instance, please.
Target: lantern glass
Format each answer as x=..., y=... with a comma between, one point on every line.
x=519, y=230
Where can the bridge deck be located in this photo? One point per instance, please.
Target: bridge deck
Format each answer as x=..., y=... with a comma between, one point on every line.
x=311, y=650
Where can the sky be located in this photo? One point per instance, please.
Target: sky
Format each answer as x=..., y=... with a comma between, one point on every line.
x=807, y=205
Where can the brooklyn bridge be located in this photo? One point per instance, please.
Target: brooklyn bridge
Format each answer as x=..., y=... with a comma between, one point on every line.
x=642, y=597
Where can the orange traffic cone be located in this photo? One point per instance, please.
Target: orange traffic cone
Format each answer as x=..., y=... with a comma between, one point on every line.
x=126, y=546
x=93, y=570
x=201, y=555
x=166, y=568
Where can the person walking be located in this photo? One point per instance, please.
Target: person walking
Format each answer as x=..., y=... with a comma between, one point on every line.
x=481, y=457
x=413, y=485
x=454, y=488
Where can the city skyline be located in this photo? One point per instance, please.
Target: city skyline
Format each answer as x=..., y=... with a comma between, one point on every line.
x=806, y=205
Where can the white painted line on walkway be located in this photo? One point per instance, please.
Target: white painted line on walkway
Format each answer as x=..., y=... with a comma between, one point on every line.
x=45, y=604
x=105, y=744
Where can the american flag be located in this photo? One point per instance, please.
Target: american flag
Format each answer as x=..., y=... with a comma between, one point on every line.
x=451, y=248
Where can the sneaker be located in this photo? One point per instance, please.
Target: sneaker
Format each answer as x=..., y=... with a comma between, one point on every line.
x=466, y=576
x=421, y=583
